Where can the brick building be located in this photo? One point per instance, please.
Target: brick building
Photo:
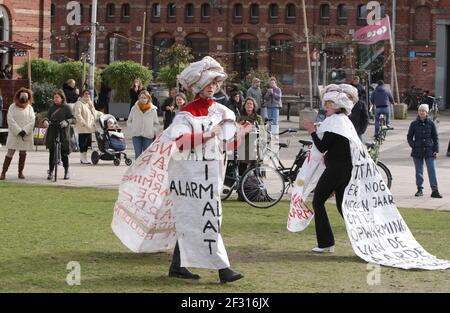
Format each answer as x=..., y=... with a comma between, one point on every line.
x=25, y=22
x=267, y=35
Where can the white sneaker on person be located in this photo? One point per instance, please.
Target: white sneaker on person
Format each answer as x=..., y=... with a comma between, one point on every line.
x=323, y=250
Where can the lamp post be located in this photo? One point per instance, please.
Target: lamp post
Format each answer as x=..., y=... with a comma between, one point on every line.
x=92, y=48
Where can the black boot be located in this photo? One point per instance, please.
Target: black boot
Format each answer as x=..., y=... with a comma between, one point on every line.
x=66, y=173
x=50, y=174
x=227, y=275
x=176, y=270
x=436, y=194
x=419, y=192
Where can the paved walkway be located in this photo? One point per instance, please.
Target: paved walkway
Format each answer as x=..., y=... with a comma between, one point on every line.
x=394, y=153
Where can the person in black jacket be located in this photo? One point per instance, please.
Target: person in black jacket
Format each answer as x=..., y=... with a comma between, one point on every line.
x=338, y=163
x=360, y=118
x=169, y=106
x=235, y=103
x=71, y=91
x=423, y=139
x=135, y=90
x=59, y=119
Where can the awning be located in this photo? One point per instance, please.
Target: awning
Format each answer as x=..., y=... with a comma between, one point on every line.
x=15, y=45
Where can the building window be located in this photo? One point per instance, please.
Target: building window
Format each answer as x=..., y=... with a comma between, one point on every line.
x=189, y=10
x=382, y=11
x=281, y=60
x=205, y=9
x=199, y=43
x=273, y=11
x=342, y=14
x=161, y=42
x=126, y=10
x=118, y=49
x=171, y=10
x=254, y=11
x=290, y=10
x=82, y=44
x=237, y=11
x=324, y=14
x=52, y=10
x=362, y=14
x=156, y=10
x=81, y=13
x=245, y=57
x=110, y=10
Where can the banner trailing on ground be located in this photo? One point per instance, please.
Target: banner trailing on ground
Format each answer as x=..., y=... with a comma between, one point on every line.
x=377, y=231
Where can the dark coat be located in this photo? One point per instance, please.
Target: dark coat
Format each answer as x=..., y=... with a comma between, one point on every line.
x=423, y=138
x=134, y=95
x=65, y=113
x=360, y=117
x=234, y=106
x=71, y=95
x=168, y=115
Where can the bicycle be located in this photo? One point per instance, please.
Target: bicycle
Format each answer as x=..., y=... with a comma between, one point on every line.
x=434, y=110
x=56, y=151
x=374, y=151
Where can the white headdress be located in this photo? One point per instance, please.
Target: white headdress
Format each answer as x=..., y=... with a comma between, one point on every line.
x=343, y=96
x=424, y=107
x=200, y=74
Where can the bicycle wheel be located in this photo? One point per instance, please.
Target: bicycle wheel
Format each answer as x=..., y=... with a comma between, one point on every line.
x=262, y=186
x=227, y=191
x=385, y=173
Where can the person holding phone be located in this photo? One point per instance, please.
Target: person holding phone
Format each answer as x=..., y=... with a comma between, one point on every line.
x=424, y=141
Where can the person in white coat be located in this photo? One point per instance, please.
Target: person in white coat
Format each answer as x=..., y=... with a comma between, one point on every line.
x=20, y=119
x=143, y=123
x=86, y=115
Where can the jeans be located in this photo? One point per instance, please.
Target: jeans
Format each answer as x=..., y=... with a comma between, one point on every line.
x=386, y=112
x=274, y=115
x=431, y=169
x=85, y=141
x=140, y=145
x=264, y=113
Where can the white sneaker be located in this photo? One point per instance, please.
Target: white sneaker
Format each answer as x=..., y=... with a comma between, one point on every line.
x=83, y=158
x=323, y=250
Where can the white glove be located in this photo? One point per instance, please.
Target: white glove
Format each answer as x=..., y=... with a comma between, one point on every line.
x=64, y=124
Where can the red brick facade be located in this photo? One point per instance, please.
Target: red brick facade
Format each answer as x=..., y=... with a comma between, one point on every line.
x=27, y=22
x=269, y=34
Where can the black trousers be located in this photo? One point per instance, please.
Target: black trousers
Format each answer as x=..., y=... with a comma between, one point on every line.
x=331, y=180
x=51, y=158
x=85, y=141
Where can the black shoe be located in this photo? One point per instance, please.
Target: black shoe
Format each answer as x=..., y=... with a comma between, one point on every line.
x=50, y=175
x=228, y=275
x=436, y=194
x=182, y=272
x=66, y=174
x=419, y=193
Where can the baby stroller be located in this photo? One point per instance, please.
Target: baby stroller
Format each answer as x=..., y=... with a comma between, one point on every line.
x=110, y=141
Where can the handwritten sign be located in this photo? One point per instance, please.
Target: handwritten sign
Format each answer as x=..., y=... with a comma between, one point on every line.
x=377, y=231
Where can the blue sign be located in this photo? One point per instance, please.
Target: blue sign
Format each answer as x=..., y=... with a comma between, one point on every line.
x=412, y=54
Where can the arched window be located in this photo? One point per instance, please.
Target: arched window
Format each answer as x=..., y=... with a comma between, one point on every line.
x=342, y=14
x=156, y=10
x=52, y=10
x=382, y=11
x=245, y=57
x=199, y=43
x=171, y=10
x=422, y=23
x=5, y=32
x=237, y=11
x=273, y=11
x=281, y=58
x=324, y=14
x=82, y=43
x=290, y=11
x=161, y=42
x=205, y=11
x=362, y=14
x=110, y=10
x=254, y=11
x=117, y=48
x=189, y=10
x=126, y=10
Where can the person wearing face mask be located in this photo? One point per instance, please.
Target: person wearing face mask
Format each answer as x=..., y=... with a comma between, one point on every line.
x=85, y=116
x=59, y=118
x=21, y=120
x=143, y=122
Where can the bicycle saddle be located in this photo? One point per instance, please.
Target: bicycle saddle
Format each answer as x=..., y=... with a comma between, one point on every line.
x=306, y=142
x=282, y=145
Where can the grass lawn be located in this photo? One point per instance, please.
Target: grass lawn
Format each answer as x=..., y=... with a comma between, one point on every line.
x=44, y=228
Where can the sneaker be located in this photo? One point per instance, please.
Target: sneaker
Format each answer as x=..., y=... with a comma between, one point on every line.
x=419, y=193
x=436, y=194
x=323, y=250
